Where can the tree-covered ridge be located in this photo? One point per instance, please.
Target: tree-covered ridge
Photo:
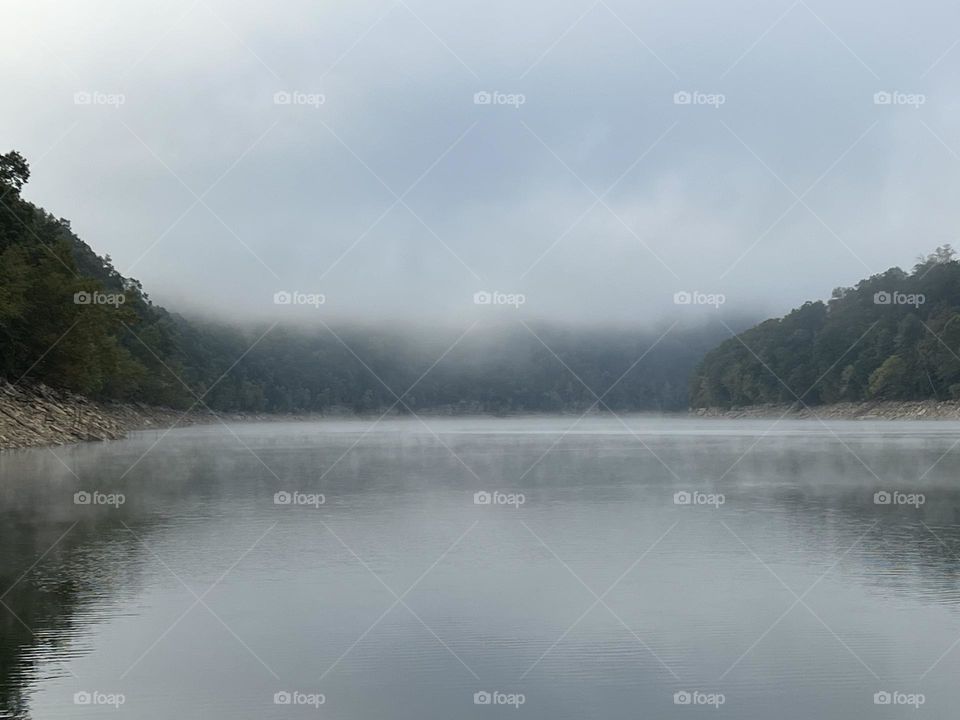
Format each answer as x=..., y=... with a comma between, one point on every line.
x=49, y=328
x=70, y=320
x=895, y=336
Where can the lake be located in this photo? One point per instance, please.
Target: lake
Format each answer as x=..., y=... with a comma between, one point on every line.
x=482, y=567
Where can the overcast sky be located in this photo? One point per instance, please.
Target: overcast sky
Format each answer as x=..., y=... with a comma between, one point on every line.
x=586, y=183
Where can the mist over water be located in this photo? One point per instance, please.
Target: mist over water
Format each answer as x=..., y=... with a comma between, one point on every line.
x=300, y=537
x=459, y=248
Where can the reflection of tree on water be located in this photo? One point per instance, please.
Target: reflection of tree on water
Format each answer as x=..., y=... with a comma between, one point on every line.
x=89, y=565
x=56, y=560
x=794, y=494
x=911, y=550
x=38, y=617
x=98, y=560
x=788, y=497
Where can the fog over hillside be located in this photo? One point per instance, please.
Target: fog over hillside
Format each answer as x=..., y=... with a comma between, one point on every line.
x=399, y=157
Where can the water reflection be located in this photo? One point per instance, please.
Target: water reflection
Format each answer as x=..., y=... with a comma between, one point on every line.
x=92, y=590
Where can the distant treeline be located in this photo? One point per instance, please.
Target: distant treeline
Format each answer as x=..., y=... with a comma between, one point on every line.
x=70, y=320
x=895, y=336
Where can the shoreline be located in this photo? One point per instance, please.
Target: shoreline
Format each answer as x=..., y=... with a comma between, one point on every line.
x=866, y=410
x=36, y=415
x=33, y=416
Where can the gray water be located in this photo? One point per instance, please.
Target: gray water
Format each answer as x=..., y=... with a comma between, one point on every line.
x=591, y=593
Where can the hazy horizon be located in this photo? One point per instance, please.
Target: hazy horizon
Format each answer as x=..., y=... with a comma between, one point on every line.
x=221, y=153
x=466, y=397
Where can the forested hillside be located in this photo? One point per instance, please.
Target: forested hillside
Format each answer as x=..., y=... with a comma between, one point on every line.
x=47, y=332
x=895, y=336
x=70, y=320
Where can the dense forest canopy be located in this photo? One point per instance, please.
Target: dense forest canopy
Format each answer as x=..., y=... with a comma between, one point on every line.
x=70, y=320
x=895, y=336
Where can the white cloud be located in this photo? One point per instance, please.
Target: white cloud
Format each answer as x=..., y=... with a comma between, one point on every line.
x=199, y=93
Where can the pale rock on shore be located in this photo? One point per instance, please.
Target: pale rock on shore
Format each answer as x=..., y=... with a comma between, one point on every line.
x=875, y=410
x=37, y=415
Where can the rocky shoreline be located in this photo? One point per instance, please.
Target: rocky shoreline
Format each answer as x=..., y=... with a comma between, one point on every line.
x=875, y=410
x=37, y=415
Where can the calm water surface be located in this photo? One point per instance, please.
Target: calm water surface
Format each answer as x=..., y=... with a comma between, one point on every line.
x=782, y=590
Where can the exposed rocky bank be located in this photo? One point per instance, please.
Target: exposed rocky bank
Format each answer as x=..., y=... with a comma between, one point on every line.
x=37, y=415
x=875, y=410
